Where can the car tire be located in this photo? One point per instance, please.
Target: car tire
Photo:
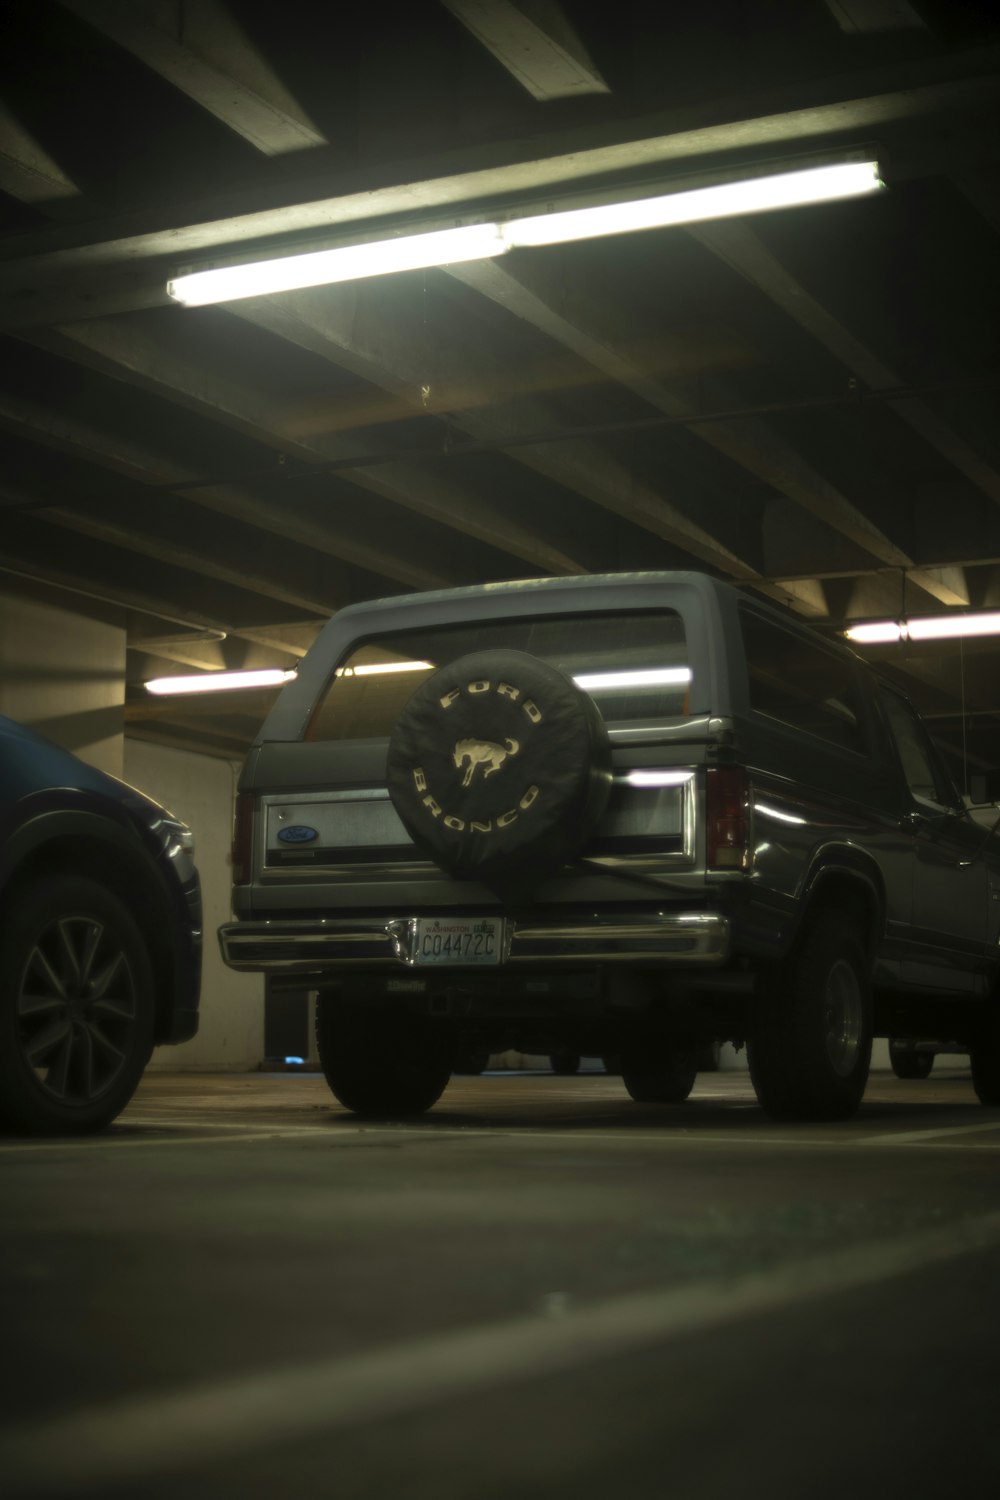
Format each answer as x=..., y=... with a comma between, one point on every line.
x=381, y=1061
x=472, y=1061
x=499, y=768
x=984, y=1057
x=659, y=1074
x=564, y=1062
x=76, y=1007
x=908, y=1064
x=810, y=1051
x=709, y=1055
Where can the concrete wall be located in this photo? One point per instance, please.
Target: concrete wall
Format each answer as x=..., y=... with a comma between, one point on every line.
x=62, y=671
x=201, y=789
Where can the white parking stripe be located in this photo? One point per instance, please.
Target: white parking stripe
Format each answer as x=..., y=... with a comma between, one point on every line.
x=172, y=1136
x=172, y=1132
x=129, y=1440
x=908, y=1137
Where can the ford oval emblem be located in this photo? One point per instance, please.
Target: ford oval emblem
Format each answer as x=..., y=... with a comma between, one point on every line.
x=297, y=833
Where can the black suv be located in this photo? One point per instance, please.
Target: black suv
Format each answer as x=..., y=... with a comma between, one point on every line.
x=100, y=937
x=627, y=815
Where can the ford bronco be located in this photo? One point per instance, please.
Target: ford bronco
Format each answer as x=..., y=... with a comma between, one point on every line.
x=624, y=815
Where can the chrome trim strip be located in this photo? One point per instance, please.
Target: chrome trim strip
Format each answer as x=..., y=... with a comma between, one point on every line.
x=686, y=937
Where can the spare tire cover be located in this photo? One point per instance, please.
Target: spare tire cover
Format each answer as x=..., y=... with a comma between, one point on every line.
x=500, y=767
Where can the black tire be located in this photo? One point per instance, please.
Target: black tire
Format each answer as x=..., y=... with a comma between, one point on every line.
x=659, y=1074
x=379, y=1060
x=612, y=1063
x=499, y=768
x=564, y=1061
x=908, y=1064
x=472, y=1061
x=810, y=1051
x=709, y=1054
x=76, y=1008
x=984, y=1057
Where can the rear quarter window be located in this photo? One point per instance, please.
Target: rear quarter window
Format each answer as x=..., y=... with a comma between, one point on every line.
x=801, y=683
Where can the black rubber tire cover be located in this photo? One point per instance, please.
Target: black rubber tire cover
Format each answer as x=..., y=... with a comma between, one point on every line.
x=499, y=768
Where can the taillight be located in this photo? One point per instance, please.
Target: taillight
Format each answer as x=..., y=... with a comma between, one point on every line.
x=727, y=802
x=243, y=838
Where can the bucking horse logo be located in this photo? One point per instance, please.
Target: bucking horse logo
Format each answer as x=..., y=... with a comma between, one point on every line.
x=482, y=753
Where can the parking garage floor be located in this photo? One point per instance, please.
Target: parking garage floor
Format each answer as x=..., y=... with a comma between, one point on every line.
x=538, y=1288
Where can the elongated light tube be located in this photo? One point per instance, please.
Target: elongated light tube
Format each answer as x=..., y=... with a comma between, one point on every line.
x=930, y=628
x=217, y=682
x=720, y=201
x=442, y=247
x=469, y=242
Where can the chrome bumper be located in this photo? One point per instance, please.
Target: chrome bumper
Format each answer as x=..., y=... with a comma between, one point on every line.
x=349, y=943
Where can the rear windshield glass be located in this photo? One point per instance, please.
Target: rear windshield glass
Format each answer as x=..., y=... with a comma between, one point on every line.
x=634, y=666
x=802, y=684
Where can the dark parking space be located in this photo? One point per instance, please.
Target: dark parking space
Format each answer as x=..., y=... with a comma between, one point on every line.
x=241, y=1288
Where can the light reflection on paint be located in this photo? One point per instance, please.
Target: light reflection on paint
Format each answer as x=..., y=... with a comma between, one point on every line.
x=767, y=811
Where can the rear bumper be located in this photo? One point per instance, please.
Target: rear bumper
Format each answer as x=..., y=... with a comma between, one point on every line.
x=369, y=942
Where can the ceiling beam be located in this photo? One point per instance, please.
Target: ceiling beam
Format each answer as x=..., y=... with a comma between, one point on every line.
x=78, y=567
x=536, y=43
x=128, y=351
x=347, y=326
x=742, y=249
x=413, y=565
x=56, y=275
x=204, y=53
x=550, y=302
x=865, y=17
x=27, y=171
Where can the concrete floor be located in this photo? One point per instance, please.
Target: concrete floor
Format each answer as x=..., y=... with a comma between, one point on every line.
x=538, y=1289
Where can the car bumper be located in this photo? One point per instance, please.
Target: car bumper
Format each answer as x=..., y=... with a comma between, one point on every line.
x=368, y=942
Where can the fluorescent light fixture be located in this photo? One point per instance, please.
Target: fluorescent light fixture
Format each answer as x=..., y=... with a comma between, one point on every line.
x=289, y=273
x=658, y=778
x=217, y=682
x=444, y=247
x=928, y=628
x=876, y=632
x=649, y=677
x=377, y=668
x=720, y=201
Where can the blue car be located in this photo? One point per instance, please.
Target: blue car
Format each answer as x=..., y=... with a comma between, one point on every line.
x=100, y=937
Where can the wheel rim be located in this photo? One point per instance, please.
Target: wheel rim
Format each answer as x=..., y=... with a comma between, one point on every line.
x=842, y=1016
x=76, y=1008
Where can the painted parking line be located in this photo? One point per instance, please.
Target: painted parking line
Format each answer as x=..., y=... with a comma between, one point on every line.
x=913, y=1137
x=172, y=1136
x=205, y=1131
x=128, y=1440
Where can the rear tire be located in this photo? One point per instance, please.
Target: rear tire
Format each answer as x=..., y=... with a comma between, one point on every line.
x=659, y=1074
x=907, y=1064
x=984, y=1056
x=809, y=1054
x=381, y=1060
x=564, y=1061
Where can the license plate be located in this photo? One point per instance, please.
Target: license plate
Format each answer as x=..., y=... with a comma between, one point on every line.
x=462, y=941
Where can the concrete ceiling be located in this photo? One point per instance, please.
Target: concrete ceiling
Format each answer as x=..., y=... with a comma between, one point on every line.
x=805, y=402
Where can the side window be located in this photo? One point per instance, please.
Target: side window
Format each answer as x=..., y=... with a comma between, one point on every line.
x=925, y=776
x=802, y=684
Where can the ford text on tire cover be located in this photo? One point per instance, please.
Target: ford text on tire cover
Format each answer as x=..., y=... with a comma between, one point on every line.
x=626, y=816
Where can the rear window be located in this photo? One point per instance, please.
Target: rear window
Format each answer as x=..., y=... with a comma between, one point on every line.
x=634, y=666
x=800, y=683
